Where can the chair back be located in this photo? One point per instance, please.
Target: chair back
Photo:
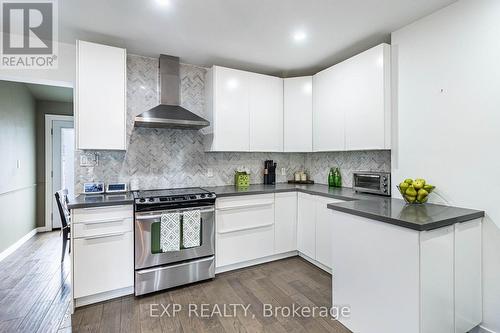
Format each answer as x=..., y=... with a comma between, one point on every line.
x=62, y=204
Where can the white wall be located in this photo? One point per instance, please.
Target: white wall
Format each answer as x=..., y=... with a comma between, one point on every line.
x=448, y=118
x=64, y=75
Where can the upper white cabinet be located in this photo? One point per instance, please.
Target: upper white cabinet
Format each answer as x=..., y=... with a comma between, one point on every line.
x=228, y=109
x=100, y=98
x=298, y=114
x=266, y=113
x=328, y=110
x=245, y=111
x=352, y=103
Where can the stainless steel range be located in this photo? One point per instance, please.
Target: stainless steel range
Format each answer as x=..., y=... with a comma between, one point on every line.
x=157, y=269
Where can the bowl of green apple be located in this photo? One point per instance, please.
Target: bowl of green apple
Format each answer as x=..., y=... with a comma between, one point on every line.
x=415, y=191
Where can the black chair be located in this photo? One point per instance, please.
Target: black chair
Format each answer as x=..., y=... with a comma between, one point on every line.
x=62, y=204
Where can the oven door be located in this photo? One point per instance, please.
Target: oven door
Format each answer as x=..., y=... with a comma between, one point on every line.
x=147, y=239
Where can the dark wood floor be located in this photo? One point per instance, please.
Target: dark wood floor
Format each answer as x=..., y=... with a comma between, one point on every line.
x=34, y=297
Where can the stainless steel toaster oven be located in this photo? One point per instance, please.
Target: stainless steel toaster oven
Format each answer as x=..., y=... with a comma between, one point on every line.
x=372, y=182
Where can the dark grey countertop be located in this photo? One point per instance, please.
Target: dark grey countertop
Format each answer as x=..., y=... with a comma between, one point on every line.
x=395, y=211
x=390, y=210
x=100, y=200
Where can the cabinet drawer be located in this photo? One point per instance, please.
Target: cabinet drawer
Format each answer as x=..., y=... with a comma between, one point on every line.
x=103, y=263
x=101, y=213
x=245, y=217
x=242, y=201
x=102, y=227
x=237, y=247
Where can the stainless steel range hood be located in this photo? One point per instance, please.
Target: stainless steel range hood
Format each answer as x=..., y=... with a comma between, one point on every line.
x=169, y=114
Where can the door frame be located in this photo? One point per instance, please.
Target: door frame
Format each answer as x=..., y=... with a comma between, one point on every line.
x=49, y=118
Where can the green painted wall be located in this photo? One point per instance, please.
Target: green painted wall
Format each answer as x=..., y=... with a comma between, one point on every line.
x=43, y=108
x=18, y=165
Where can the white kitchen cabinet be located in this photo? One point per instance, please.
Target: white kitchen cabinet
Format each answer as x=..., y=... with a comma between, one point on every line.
x=100, y=97
x=297, y=114
x=102, y=253
x=228, y=97
x=306, y=225
x=352, y=103
x=266, y=113
x=324, y=217
x=244, y=228
x=368, y=99
x=285, y=219
x=245, y=111
x=435, y=288
x=329, y=102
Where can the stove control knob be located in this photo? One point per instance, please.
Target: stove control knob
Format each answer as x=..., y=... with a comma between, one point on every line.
x=210, y=195
x=151, y=200
x=142, y=200
x=202, y=196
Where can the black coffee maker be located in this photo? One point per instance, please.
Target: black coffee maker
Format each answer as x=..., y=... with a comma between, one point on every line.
x=269, y=172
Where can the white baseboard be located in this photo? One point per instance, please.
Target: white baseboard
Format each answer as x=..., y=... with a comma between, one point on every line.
x=82, y=301
x=254, y=262
x=481, y=329
x=43, y=229
x=8, y=251
x=315, y=263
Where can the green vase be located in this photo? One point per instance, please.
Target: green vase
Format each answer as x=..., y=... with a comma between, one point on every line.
x=337, y=178
x=331, y=178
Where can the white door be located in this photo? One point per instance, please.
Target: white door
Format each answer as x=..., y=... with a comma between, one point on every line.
x=285, y=222
x=63, y=153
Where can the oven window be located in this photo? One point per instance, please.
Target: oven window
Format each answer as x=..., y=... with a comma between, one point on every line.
x=368, y=182
x=155, y=238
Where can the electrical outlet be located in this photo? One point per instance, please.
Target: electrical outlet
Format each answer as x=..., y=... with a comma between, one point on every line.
x=283, y=171
x=210, y=172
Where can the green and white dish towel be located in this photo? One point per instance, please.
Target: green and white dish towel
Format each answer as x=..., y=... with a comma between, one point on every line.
x=191, y=228
x=170, y=232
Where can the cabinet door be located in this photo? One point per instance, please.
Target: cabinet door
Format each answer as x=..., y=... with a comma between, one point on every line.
x=231, y=110
x=100, y=99
x=324, y=217
x=285, y=219
x=103, y=263
x=367, y=107
x=306, y=225
x=266, y=113
x=245, y=228
x=328, y=109
x=297, y=114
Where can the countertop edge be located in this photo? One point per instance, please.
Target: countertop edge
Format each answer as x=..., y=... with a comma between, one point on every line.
x=401, y=223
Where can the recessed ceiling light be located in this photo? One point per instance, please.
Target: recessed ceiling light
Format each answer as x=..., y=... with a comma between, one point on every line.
x=163, y=3
x=299, y=36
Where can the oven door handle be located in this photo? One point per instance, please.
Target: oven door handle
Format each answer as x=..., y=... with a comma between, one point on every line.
x=146, y=216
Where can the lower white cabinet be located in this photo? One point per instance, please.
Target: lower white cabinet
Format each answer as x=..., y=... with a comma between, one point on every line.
x=244, y=228
x=324, y=217
x=430, y=279
x=285, y=222
x=306, y=225
x=102, y=253
x=270, y=226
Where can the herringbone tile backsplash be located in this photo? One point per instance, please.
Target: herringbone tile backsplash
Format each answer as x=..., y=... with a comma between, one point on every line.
x=167, y=158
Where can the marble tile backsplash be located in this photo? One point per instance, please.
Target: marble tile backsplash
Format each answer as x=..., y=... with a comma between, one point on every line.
x=167, y=158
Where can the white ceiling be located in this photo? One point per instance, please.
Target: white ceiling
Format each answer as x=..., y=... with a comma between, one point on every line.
x=50, y=93
x=253, y=35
